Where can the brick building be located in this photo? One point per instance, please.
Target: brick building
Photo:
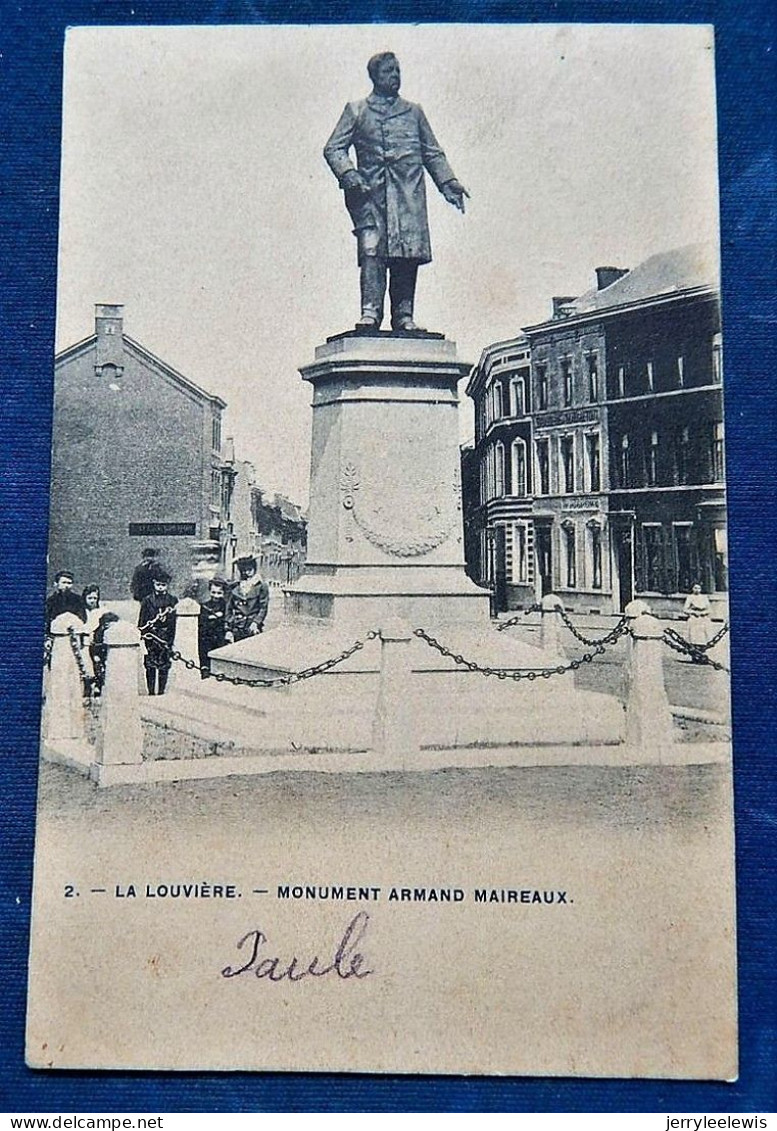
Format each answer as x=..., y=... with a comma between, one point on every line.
x=569, y=421
x=136, y=461
x=666, y=433
x=624, y=421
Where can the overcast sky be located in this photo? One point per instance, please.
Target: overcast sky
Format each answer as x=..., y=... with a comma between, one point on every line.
x=194, y=190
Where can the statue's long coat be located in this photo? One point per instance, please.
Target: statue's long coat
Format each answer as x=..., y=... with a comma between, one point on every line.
x=394, y=143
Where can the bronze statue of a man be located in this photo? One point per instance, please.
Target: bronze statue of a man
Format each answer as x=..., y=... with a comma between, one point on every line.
x=385, y=193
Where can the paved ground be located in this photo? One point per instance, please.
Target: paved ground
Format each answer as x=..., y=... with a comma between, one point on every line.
x=635, y=976
x=687, y=684
x=671, y=798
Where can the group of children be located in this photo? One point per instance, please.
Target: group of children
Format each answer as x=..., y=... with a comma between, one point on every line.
x=85, y=606
x=233, y=611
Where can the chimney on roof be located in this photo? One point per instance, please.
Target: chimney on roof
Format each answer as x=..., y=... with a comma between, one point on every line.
x=563, y=305
x=109, y=328
x=606, y=276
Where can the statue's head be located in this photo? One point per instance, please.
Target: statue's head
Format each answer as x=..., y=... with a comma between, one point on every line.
x=383, y=70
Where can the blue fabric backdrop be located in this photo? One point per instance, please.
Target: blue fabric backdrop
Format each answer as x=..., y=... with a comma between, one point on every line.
x=31, y=37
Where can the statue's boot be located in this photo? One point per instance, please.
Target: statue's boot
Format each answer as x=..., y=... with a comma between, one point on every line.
x=373, y=292
x=402, y=294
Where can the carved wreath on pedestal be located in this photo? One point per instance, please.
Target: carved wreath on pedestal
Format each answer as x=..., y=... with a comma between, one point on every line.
x=426, y=520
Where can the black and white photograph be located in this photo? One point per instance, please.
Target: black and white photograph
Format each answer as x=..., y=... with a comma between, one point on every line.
x=386, y=715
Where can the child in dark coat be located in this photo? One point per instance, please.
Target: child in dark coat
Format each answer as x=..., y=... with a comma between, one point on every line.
x=157, y=623
x=211, y=624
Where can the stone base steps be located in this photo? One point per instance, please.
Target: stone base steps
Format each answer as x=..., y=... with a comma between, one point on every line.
x=217, y=718
x=170, y=770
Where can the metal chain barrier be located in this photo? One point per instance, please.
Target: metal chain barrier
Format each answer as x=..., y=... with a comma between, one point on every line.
x=679, y=644
x=161, y=615
x=75, y=648
x=276, y=681
x=508, y=673
x=517, y=619
x=620, y=629
x=713, y=641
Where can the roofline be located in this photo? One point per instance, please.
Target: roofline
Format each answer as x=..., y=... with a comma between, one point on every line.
x=66, y=353
x=71, y=351
x=195, y=388
x=706, y=290
x=520, y=340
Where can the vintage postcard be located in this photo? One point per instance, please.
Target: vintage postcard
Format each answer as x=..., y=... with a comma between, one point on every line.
x=386, y=718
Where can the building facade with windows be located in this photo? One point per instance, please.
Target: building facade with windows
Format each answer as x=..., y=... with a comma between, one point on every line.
x=136, y=462
x=569, y=437
x=497, y=475
x=280, y=533
x=624, y=424
x=666, y=435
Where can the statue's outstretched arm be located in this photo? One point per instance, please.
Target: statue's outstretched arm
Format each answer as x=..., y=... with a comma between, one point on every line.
x=435, y=161
x=436, y=164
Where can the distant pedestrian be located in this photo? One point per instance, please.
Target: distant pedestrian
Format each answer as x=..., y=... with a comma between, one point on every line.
x=157, y=624
x=212, y=629
x=697, y=609
x=62, y=599
x=248, y=601
x=142, y=584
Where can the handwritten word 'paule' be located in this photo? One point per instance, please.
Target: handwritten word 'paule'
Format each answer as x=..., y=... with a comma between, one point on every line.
x=347, y=961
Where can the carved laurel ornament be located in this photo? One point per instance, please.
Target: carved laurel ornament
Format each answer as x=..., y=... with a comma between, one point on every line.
x=349, y=484
x=403, y=521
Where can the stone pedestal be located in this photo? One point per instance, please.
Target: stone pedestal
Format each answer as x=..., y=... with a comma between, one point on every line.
x=385, y=532
x=386, y=553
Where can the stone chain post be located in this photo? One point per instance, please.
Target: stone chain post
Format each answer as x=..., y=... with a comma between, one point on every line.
x=122, y=733
x=635, y=608
x=551, y=627
x=187, y=611
x=649, y=726
x=64, y=717
x=394, y=732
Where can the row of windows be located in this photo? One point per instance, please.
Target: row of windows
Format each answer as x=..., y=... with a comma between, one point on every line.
x=640, y=380
x=580, y=549
x=504, y=401
x=669, y=558
x=658, y=460
x=493, y=483
x=513, y=400
x=556, y=465
x=567, y=383
x=655, y=460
